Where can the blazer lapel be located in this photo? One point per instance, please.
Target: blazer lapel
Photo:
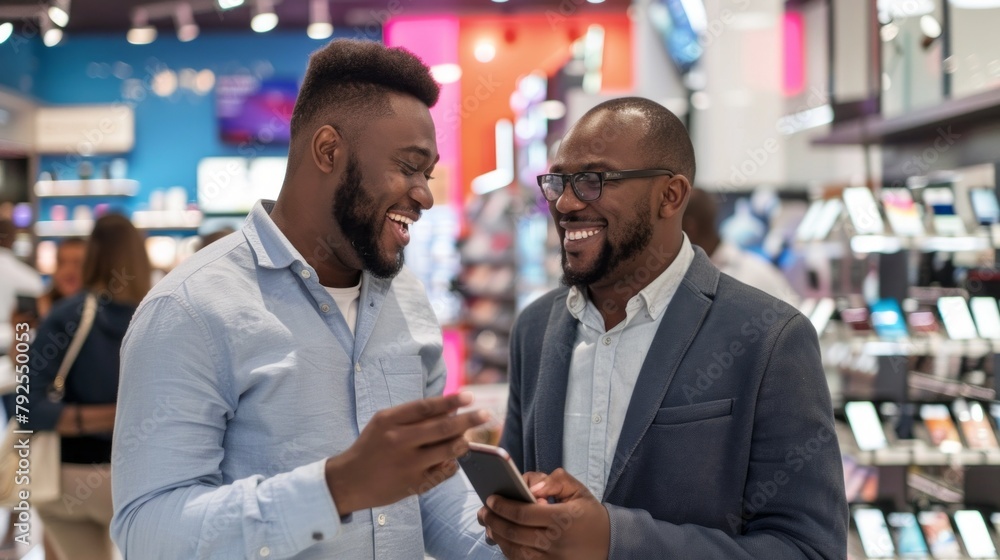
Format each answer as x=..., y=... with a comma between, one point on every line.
x=678, y=327
x=549, y=404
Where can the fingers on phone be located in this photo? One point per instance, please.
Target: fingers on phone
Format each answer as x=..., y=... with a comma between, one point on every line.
x=424, y=409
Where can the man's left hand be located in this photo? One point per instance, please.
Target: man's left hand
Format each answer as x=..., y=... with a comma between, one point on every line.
x=576, y=526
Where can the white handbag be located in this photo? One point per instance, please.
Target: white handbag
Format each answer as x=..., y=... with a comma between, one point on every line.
x=31, y=463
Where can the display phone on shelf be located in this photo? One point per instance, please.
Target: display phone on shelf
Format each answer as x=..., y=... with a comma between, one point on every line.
x=987, y=316
x=888, y=320
x=863, y=211
x=975, y=535
x=904, y=217
x=909, y=538
x=995, y=413
x=491, y=471
x=865, y=425
x=874, y=533
x=941, y=429
x=940, y=203
x=956, y=318
x=941, y=538
x=821, y=315
x=985, y=206
x=858, y=318
x=827, y=219
x=807, y=227
x=975, y=424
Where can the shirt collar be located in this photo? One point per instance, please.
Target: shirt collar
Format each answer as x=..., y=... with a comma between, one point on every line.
x=654, y=297
x=272, y=248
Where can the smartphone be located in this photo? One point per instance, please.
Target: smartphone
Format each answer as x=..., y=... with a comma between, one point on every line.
x=902, y=212
x=865, y=425
x=863, y=211
x=491, y=471
x=985, y=206
x=807, y=227
x=940, y=427
x=940, y=202
x=27, y=305
x=975, y=535
x=909, y=538
x=987, y=316
x=941, y=538
x=995, y=413
x=874, y=533
x=923, y=322
x=888, y=320
x=975, y=424
x=820, y=317
x=956, y=318
x=827, y=219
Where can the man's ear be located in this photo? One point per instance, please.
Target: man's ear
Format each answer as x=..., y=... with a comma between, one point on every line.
x=327, y=148
x=674, y=198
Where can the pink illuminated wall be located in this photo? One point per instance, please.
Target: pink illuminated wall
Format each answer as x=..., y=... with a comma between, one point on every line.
x=794, y=38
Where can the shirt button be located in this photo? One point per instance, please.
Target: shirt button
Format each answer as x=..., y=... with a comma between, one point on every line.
x=652, y=309
x=381, y=519
x=597, y=419
x=306, y=273
x=607, y=341
x=265, y=552
x=324, y=308
x=357, y=367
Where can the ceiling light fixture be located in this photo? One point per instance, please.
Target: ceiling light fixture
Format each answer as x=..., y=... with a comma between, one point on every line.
x=229, y=4
x=319, y=20
x=264, y=18
x=59, y=12
x=51, y=36
x=447, y=73
x=187, y=29
x=141, y=32
x=6, y=30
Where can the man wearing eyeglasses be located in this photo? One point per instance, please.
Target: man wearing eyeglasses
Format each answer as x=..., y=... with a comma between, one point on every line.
x=658, y=408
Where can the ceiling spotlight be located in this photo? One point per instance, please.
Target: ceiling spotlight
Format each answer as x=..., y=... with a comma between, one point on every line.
x=229, y=4
x=6, y=30
x=319, y=20
x=264, y=18
x=446, y=73
x=141, y=32
x=59, y=12
x=51, y=36
x=187, y=29
x=485, y=51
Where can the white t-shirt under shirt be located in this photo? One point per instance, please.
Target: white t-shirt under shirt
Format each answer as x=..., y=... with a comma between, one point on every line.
x=347, y=301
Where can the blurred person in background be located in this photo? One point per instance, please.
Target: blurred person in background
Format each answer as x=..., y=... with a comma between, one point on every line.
x=16, y=279
x=117, y=271
x=700, y=225
x=67, y=279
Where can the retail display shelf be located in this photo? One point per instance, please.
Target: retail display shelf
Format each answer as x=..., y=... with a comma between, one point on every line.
x=926, y=456
x=167, y=220
x=64, y=228
x=925, y=346
x=916, y=125
x=86, y=188
x=894, y=244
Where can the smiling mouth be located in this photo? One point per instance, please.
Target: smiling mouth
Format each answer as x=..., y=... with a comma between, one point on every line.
x=576, y=235
x=401, y=225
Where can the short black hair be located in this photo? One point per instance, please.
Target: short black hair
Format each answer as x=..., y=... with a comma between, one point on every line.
x=352, y=78
x=666, y=141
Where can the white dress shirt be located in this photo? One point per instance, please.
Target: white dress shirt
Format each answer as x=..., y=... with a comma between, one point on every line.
x=604, y=369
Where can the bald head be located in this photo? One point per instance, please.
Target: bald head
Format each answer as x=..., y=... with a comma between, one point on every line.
x=663, y=139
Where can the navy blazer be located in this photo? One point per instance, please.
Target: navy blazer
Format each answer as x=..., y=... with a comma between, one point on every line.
x=728, y=448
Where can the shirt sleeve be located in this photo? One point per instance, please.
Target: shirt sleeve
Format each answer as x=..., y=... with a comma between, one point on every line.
x=170, y=497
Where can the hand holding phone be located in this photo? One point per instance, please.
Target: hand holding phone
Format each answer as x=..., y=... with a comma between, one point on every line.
x=491, y=471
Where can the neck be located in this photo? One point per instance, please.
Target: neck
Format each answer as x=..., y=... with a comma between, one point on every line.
x=309, y=233
x=611, y=296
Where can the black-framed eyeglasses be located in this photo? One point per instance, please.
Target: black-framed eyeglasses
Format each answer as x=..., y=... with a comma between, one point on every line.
x=589, y=185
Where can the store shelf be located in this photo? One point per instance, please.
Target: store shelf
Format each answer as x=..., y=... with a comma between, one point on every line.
x=86, y=188
x=64, y=228
x=167, y=220
x=925, y=456
x=918, y=125
x=894, y=244
x=925, y=346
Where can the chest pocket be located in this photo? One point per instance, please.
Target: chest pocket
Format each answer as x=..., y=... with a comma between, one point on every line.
x=404, y=377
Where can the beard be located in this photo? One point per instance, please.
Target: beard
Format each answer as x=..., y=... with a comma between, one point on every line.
x=639, y=233
x=357, y=212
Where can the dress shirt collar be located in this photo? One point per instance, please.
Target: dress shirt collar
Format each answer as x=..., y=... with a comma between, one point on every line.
x=654, y=297
x=271, y=247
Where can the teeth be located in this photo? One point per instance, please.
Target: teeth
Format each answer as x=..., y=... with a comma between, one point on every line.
x=581, y=234
x=400, y=219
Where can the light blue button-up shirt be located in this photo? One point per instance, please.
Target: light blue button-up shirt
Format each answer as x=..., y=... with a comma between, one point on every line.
x=604, y=369
x=240, y=377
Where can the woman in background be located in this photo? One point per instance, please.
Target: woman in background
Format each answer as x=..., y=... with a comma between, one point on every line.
x=67, y=279
x=117, y=271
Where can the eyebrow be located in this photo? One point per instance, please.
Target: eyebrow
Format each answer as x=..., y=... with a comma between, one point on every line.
x=417, y=150
x=590, y=166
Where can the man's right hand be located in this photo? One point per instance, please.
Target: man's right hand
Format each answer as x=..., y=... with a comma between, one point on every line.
x=404, y=450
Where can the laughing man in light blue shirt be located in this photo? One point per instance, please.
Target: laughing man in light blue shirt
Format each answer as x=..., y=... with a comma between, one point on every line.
x=261, y=409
